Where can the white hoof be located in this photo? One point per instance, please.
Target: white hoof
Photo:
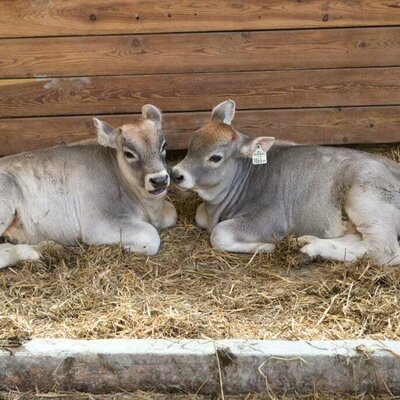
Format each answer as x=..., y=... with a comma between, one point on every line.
x=331, y=251
x=306, y=239
x=11, y=254
x=265, y=248
x=147, y=242
x=25, y=252
x=310, y=251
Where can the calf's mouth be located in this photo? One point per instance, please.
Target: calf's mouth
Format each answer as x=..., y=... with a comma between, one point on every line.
x=159, y=192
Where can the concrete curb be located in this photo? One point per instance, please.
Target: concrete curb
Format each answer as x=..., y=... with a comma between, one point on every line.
x=201, y=366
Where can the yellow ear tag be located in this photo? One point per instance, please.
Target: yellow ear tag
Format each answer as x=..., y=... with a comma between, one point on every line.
x=259, y=156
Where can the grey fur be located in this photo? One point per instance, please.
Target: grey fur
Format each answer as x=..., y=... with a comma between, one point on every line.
x=87, y=192
x=325, y=192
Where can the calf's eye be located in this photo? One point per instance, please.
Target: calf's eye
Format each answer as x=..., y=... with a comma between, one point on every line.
x=163, y=147
x=129, y=155
x=215, y=159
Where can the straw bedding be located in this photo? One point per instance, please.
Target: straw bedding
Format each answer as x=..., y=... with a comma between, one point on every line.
x=190, y=290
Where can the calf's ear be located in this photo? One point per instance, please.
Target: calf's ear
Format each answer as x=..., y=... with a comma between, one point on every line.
x=152, y=113
x=250, y=145
x=106, y=134
x=224, y=112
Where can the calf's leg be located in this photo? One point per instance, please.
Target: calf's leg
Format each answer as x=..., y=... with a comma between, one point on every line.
x=377, y=238
x=201, y=217
x=169, y=215
x=238, y=236
x=347, y=248
x=378, y=221
x=11, y=254
x=136, y=236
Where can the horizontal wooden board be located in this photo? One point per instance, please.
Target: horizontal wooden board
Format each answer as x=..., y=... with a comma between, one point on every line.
x=196, y=92
x=328, y=126
x=199, y=52
x=24, y=18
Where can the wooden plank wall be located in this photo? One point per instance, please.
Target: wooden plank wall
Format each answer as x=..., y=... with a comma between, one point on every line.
x=313, y=71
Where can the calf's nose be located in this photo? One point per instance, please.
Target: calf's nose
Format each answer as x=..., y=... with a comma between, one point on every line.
x=159, y=181
x=177, y=177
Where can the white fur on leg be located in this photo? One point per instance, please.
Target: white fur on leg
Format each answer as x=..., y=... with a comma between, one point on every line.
x=393, y=261
x=201, y=217
x=347, y=248
x=169, y=216
x=306, y=239
x=146, y=242
x=224, y=240
x=377, y=221
x=11, y=254
x=347, y=239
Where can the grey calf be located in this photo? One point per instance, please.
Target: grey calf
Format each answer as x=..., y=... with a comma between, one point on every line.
x=343, y=203
x=108, y=192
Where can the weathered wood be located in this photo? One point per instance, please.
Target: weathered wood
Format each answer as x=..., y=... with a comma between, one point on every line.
x=192, y=92
x=308, y=126
x=203, y=366
x=199, y=52
x=93, y=17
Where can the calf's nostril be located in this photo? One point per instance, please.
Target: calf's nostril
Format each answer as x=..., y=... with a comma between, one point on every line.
x=159, y=181
x=178, y=178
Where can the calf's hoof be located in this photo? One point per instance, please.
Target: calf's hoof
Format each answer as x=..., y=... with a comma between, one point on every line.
x=306, y=239
x=11, y=254
x=265, y=248
x=310, y=251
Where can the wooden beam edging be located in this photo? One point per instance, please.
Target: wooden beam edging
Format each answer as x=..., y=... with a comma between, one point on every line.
x=202, y=366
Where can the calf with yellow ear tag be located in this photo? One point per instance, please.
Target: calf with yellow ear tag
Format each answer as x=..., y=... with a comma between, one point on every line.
x=258, y=190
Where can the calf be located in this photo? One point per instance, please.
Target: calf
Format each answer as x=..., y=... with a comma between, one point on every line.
x=343, y=203
x=108, y=192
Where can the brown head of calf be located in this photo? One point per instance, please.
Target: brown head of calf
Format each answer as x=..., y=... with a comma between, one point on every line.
x=140, y=151
x=213, y=152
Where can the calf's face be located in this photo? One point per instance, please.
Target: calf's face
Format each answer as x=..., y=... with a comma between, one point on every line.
x=140, y=151
x=213, y=151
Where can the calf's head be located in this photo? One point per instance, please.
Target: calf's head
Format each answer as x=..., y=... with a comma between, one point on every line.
x=214, y=151
x=140, y=151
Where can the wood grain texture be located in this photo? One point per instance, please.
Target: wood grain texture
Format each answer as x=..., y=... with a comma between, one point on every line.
x=196, y=92
x=327, y=126
x=199, y=52
x=23, y=18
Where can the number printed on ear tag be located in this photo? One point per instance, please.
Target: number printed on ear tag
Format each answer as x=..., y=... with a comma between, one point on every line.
x=259, y=156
